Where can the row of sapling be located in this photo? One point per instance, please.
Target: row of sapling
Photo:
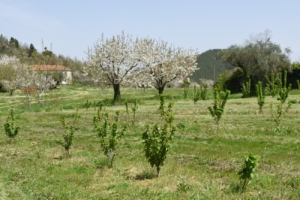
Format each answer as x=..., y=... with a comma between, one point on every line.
x=156, y=139
x=276, y=86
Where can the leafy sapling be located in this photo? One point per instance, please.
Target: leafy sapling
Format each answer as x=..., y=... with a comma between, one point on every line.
x=197, y=94
x=248, y=170
x=272, y=84
x=157, y=139
x=246, y=89
x=109, y=133
x=283, y=89
x=134, y=108
x=87, y=104
x=220, y=99
x=260, y=92
x=186, y=86
x=68, y=135
x=277, y=116
x=203, y=90
x=283, y=92
x=10, y=128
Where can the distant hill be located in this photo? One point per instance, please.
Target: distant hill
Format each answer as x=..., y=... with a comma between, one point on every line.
x=206, y=62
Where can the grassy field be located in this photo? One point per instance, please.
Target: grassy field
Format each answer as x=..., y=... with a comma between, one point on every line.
x=202, y=162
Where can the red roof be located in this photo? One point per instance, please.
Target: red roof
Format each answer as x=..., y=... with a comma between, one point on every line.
x=51, y=68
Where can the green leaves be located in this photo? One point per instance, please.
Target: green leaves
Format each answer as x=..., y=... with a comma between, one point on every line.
x=248, y=169
x=260, y=92
x=11, y=130
x=109, y=132
x=220, y=99
x=68, y=134
x=156, y=139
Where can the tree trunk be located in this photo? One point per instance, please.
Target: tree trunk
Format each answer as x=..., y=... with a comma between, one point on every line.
x=161, y=89
x=117, y=92
x=158, y=170
x=28, y=97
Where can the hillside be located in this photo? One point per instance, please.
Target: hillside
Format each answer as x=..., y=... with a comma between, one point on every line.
x=206, y=62
x=30, y=55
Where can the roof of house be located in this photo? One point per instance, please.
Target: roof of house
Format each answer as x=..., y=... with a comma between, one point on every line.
x=51, y=68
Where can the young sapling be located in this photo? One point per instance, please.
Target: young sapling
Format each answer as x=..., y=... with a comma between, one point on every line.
x=11, y=130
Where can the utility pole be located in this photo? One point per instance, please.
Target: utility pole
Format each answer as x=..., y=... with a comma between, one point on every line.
x=214, y=69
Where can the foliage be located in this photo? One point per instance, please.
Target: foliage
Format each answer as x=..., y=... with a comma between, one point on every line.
x=156, y=139
x=258, y=57
x=11, y=130
x=87, y=104
x=246, y=89
x=68, y=133
x=231, y=80
x=248, y=170
x=260, y=92
x=134, y=108
x=109, y=133
x=220, y=99
x=203, y=90
x=283, y=89
x=196, y=146
x=280, y=111
x=186, y=86
x=197, y=94
x=272, y=86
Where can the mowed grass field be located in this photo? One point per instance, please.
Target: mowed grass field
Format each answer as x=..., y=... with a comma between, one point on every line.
x=202, y=162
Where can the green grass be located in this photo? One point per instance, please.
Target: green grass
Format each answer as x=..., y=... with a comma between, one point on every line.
x=202, y=163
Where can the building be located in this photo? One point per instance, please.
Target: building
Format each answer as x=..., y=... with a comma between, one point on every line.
x=61, y=74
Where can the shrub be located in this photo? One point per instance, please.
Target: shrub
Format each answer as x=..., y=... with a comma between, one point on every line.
x=109, y=133
x=220, y=99
x=156, y=139
x=11, y=130
x=248, y=170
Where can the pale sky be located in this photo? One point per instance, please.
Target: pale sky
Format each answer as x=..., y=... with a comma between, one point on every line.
x=74, y=25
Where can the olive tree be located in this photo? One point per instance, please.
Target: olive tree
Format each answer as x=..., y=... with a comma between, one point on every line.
x=114, y=60
x=258, y=57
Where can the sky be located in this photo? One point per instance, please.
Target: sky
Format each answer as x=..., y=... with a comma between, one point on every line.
x=72, y=26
